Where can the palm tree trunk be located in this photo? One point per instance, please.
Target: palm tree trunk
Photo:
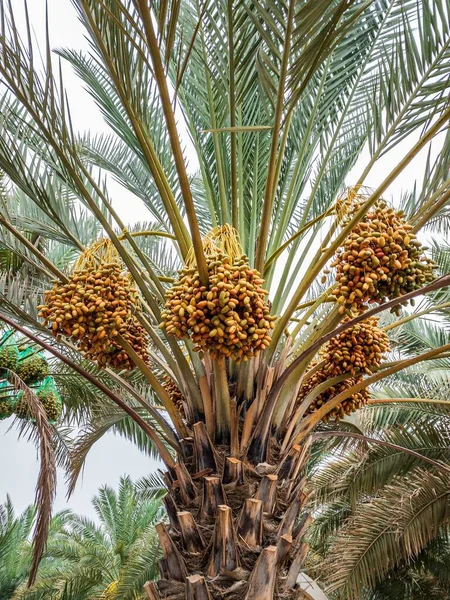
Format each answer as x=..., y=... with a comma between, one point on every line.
x=236, y=530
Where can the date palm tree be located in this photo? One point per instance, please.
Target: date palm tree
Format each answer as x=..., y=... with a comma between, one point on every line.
x=275, y=102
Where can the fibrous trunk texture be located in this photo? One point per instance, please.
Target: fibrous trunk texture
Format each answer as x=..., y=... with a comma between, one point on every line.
x=235, y=531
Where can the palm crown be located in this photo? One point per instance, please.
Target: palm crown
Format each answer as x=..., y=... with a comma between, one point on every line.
x=279, y=100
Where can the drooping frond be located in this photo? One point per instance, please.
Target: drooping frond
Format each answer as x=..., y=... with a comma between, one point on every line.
x=397, y=524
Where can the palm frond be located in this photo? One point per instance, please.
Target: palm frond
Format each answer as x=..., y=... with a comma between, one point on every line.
x=402, y=521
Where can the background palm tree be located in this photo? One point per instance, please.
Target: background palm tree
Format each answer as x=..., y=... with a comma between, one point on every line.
x=279, y=100
x=15, y=550
x=112, y=558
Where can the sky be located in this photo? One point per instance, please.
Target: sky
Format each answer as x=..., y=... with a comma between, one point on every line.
x=114, y=456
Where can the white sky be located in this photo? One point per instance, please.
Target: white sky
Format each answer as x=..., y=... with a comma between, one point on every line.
x=113, y=456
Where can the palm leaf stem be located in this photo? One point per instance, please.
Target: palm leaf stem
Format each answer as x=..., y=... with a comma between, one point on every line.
x=172, y=131
x=297, y=234
x=427, y=311
x=200, y=396
x=222, y=400
x=239, y=129
x=358, y=436
x=323, y=49
x=171, y=366
x=168, y=431
x=313, y=306
x=159, y=390
x=328, y=253
x=155, y=358
x=432, y=211
x=281, y=148
x=296, y=421
x=283, y=291
x=207, y=400
x=188, y=381
x=329, y=323
x=146, y=427
x=243, y=230
x=373, y=401
x=386, y=365
x=429, y=203
x=283, y=411
x=245, y=380
x=289, y=275
x=435, y=285
x=182, y=69
x=188, y=376
x=300, y=307
x=207, y=186
x=123, y=30
x=194, y=359
x=280, y=159
x=155, y=311
x=318, y=327
x=233, y=134
x=269, y=192
x=177, y=363
x=254, y=207
x=164, y=425
x=304, y=405
x=185, y=373
x=149, y=232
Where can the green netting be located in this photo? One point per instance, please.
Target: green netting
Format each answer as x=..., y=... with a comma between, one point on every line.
x=6, y=389
x=9, y=356
x=27, y=351
x=33, y=367
x=47, y=385
x=49, y=397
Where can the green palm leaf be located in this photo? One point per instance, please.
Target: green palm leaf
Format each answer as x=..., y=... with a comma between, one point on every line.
x=402, y=520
